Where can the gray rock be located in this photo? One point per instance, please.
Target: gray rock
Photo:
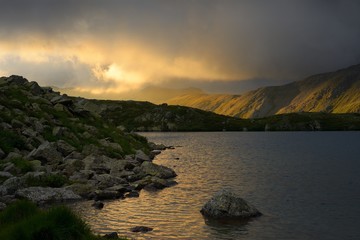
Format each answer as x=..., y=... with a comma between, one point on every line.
x=225, y=204
x=46, y=153
x=39, y=127
x=112, y=235
x=16, y=124
x=2, y=154
x=11, y=185
x=159, y=171
x=106, y=143
x=140, y=156
x=13, y=155
x=35, y=88
x=98, y=204
x=132, y=194
x=105, y=194
x=82, y=176
x=58, y=131
x=29, y=133
x=61, y=99
x=47, y=194
x=121, y=188
x=5, y=174
x=2, y=206
x=142, y=229
x=16, y=80
x=107, y=180
x=64, y=148
x=82, y=189
x=158, y=147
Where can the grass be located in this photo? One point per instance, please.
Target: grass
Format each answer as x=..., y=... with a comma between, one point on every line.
x=24, y=221
x=9, y=140
x=47, y=180
x=22, y=164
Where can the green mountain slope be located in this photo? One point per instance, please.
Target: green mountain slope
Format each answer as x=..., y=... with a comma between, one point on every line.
x=335, y=92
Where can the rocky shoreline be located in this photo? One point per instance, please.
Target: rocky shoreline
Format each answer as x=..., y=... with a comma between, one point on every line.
x=53, y=150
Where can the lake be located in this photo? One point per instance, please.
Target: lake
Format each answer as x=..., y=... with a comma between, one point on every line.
x=307, y=185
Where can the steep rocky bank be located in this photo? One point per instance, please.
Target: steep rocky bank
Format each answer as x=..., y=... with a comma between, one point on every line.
x=53, y=149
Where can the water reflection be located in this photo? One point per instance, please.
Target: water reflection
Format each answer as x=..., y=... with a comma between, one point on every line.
x=299, y=181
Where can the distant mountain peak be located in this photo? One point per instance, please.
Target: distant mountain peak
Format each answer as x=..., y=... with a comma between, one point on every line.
x=332, y=92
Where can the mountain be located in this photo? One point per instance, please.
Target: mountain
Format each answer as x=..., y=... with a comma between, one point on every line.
x=334, y=92
x=152, y=94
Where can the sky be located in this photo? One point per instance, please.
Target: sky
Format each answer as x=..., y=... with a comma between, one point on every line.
x=114, y=46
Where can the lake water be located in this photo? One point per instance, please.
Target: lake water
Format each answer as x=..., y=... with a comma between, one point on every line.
x=307, y=185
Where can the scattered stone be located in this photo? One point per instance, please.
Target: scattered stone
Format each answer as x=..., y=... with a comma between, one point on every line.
x=98, y=205
x=225, y=204
x=112, y=235
x=142, y=229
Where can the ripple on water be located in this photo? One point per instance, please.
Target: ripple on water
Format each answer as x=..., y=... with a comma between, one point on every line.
x=304, y=183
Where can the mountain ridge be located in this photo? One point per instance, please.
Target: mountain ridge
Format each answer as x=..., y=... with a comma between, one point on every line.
x=332, y=92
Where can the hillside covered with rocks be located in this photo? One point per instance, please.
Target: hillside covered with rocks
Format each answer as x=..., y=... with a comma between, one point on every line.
x=52, y=149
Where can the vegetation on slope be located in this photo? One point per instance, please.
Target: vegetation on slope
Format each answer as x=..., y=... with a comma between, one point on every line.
x=335, y=92
x=22, y=220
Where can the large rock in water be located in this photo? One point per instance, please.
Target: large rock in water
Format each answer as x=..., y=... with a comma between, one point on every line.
x=225, y=204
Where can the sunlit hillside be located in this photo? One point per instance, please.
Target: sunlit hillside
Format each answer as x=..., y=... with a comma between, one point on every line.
x=334, y=92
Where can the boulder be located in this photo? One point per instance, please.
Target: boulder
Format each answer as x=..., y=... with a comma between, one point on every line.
x=140, y=156
x=35, y=89
x=82, y=189
x=106, y=180
x=159, y=171
x=46, y=153
x=17, y=80
x=11, y=185
x=64, y=148
x=226, y=204
x=47, y=194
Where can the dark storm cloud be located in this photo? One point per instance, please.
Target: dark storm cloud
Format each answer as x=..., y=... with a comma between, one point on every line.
x=280, y=39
